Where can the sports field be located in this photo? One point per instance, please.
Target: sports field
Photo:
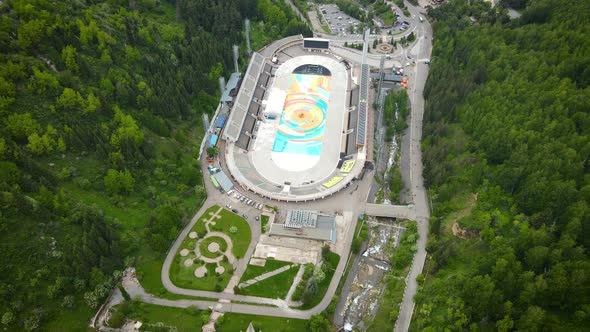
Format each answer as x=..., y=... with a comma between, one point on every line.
x=302, y=123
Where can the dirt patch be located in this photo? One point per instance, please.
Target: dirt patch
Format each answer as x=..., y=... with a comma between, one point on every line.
x=463, y=233
x=257, y=261
x=456, y=229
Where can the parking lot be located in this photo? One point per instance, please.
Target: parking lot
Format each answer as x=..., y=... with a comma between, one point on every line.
x=339, y=22
x=238, y=197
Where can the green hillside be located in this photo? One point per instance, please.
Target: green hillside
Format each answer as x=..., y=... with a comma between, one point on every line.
x=506, y=154
x=101, y=105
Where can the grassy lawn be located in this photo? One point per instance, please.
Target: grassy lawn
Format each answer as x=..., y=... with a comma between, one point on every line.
x=270, y=265
x=241, y=239
x=204, y=245
x=333, y=260
x=387, y=17
x=273, y=287
x=263, y=223
x=239, y=322
x=188, y=319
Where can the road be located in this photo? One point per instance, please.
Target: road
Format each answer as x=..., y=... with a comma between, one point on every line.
x=422, y=50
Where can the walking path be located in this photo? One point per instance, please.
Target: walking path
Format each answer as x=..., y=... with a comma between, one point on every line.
x=271, y=307
x=264, y=276
x=296, y=282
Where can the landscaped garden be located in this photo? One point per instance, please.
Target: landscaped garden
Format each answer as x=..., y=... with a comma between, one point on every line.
x=256, y=270
x=263, y=223
x=276, y=286
x=207, y=256
x=242, y=235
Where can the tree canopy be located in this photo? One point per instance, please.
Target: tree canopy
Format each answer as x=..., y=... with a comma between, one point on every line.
x=506, y=158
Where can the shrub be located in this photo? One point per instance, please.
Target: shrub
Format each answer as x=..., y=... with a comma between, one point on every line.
x=117, y=319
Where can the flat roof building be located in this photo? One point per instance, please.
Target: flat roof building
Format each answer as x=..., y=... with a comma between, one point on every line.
x=388, y=77
x=306, y=224
x=227, y=96
x=224, y=181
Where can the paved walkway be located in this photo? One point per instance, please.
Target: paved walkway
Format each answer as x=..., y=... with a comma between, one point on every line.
x=271, y=307
x=228, y=252
x=264, y=276
x=296, y=282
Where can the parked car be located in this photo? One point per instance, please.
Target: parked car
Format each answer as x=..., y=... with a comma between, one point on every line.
x=235, y=211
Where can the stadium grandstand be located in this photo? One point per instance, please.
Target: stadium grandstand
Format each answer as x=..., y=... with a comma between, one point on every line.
x=292, y=133
x=242, y=106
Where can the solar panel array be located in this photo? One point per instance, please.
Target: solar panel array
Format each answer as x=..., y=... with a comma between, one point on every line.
x=240, y=108
x=301, y=218
x=362, y=108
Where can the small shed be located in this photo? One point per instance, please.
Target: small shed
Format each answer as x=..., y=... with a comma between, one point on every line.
x=224, y=181
x=221, y=120
x=213, y=140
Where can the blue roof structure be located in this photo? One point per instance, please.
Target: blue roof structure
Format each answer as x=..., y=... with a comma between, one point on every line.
x=213, y=141
x=221, y=120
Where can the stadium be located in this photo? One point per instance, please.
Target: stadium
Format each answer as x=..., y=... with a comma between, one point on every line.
x=296, y=128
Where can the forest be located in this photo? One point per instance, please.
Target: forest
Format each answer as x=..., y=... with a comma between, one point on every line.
x=506, y=152
x=101, y=106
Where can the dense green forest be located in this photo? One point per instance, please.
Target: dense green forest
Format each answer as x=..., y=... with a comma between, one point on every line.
x=101, y=105
x=506, y=158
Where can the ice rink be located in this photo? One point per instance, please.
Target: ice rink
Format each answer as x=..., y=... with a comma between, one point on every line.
x=301, y=145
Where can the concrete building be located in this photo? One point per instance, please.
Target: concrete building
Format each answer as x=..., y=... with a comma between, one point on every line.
x=305, y=224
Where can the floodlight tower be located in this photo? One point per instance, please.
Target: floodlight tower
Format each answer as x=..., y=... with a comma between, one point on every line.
x=247, y=26
x=221, y=84
x=236, y=54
